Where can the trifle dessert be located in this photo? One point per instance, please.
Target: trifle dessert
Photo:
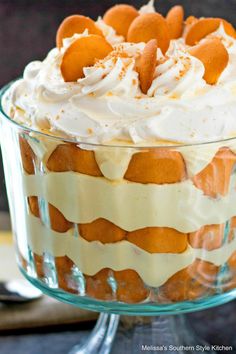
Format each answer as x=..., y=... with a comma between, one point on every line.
x=123, y=147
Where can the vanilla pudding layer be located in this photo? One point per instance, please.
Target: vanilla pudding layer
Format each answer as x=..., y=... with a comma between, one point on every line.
x=131, y=206
x=118, y=256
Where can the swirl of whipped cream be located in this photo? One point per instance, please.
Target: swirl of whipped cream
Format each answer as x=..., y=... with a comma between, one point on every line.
x=107, y=105
x=109, y=32
x=148, y=8
x=229, y=75
x=179, y=75
x=113, y=76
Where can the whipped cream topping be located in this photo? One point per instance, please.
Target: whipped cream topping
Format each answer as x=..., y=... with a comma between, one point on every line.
x=147, y=9
x=109, y=32
x=107, y=105
x=229, y=74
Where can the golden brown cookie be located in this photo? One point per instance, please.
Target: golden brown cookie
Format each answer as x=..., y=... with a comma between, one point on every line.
x=190, y=20
x=64, y=272
x=214, y=57
x=130, y=287
x=191, y=283
x=147, y=65
x=101, y=230
x=39, y=265
x=150, y=26
x=159, y=240
x=204, y=26
x=120, y=18
x=83, y=52
x=188, y=23
x=214, y=179
x=232, y=229
x=75, y=24
x=158, y=166
x=98, y=287
x=64, y=267
x=57, y=220
x=175, y=21
x=69, y=157
x=27, y=155
x=34, y=206
x=208, y=237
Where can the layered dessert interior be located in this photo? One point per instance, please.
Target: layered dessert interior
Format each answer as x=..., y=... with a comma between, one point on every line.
x=127, y=157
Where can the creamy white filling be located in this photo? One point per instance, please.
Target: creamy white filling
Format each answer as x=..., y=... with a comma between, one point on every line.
x=42, y=147
x=131, y=206
x=109, y=32
x=148, y=8
x=114, y=162
x=91, y=257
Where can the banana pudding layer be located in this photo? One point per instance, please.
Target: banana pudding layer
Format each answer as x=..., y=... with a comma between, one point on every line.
x=123, y=203
x=120, y=255
x=164, y=233
x=127, y=157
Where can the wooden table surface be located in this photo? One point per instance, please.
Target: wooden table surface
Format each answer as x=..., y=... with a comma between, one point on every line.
x=217, y=326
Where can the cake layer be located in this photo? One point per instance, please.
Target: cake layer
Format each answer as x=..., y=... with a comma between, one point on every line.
x=154, y=269
x=131, y=206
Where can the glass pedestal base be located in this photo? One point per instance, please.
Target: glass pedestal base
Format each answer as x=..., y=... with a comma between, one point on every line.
x=163, y=328
x=101, y=338
x=168, y=334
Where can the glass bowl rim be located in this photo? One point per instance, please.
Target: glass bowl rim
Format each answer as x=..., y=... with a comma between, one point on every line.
x=178, y=146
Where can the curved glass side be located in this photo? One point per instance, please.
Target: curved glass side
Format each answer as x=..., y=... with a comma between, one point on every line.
x=123, y=229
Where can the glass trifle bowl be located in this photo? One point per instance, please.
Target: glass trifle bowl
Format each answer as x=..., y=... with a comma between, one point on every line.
x=119, y=154
x=119, y=229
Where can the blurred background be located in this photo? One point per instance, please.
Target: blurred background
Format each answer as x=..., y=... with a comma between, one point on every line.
x=28, y=28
